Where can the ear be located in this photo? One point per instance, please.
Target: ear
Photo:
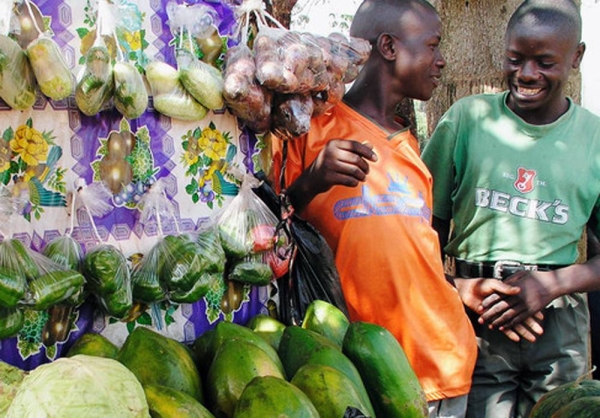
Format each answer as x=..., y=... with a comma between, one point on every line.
x=386, y=45
x=578, y=56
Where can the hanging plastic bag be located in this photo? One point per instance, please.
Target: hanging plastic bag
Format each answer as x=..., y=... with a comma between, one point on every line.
x=94, y=86
x=247, y=225
x=244, y=96
x=17, y=81
x=312, y=271
x=169, y=96
x=203, y=81
x=52, y=73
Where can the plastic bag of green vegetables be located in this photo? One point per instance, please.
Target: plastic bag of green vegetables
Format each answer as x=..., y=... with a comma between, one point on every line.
x=183, y=263
x=16, y=268
x=210, y=243
x=130, y=96
x=109, y=279
x=145, y=276
x=50, y=68
x=11, y=322
x=66, y=251
x=192, y=272
x=247, y=225
x=17, y=81
x=54, y=284
x=169, y=96
x=253, y=270
x=203, y=81
x=95, y=85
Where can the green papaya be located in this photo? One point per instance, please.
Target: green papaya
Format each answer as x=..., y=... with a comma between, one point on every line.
x=93, y=344
x=297, y=345
x=329, y=390
x=269, y=396
x=586, y=407
x=207, y=344
x=156, y=359
x=326, y=319
x=391, y=382
x=166, y=402
x=560, y=396
x=329, y=356
x=267, y=327
x=235, y=364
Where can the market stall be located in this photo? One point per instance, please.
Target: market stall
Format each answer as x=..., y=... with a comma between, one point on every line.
x=52, y=151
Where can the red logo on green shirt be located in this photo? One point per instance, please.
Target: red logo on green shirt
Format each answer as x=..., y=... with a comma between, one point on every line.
x=524, y=182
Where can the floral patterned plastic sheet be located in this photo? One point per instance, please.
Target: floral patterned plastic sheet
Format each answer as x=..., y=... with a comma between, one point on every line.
x=45, y=151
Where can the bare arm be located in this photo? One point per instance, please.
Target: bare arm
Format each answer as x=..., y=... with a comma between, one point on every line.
x=340, y=162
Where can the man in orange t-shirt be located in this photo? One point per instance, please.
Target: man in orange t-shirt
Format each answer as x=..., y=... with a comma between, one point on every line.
x=358, y=178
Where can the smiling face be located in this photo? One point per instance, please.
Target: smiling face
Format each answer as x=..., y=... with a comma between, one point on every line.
x=419, y=61
x=538, y=60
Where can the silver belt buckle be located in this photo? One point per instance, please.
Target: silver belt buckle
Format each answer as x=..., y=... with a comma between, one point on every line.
x=501, y=264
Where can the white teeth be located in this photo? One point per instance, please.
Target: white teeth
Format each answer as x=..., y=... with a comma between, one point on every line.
x=528, y=92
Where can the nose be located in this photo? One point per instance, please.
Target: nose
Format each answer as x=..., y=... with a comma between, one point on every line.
x=440, y=61
x=528, y=71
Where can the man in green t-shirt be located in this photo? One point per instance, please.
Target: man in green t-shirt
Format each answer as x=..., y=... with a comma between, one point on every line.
x=517, y=175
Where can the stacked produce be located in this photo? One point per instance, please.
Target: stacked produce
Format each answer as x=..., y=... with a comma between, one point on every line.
x=286, y=77
x=263, y=369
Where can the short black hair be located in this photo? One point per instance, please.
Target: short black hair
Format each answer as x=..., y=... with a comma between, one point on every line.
x=562, y=14
x=375, y=17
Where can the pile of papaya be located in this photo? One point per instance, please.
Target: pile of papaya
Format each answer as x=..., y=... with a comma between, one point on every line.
x=327, y=367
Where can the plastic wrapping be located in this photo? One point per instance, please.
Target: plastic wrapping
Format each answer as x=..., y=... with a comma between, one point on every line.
x=203, y=81
x=242, y=93
x=108, y=279
x=17, y=80
x=50, y=68
x=244, y=220
x=95, y=86
x=169, y=96
x=67, y=252
x=130, y=95
x=31, y=280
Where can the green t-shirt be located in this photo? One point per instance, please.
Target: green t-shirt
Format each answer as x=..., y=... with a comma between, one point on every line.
x=515, y=191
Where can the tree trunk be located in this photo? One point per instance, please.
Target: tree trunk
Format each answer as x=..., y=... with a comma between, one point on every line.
x=281, y=10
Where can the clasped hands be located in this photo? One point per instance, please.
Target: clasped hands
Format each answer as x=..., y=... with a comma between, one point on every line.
x=513, y=306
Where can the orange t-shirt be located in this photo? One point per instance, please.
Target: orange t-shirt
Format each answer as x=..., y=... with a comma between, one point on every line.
x=386, y=251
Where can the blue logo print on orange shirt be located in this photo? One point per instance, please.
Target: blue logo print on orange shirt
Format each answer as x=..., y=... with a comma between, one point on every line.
x=401, y=200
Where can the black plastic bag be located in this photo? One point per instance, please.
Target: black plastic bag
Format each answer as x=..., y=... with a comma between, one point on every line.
x=312, y=272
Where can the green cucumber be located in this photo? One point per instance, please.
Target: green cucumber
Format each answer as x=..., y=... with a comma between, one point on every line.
x=53, y=287
x=12, y=287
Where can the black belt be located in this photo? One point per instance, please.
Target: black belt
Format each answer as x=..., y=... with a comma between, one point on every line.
x=498, y=269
